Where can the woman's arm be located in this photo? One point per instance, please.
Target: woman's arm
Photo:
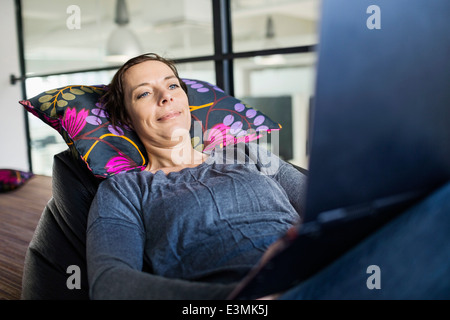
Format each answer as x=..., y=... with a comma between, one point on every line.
x=115, y=247
x=114, y=264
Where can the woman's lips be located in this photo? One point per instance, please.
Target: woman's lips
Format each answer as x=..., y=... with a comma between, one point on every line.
x=169, y=115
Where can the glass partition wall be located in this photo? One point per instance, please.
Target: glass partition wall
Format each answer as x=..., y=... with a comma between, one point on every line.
x=261, y=51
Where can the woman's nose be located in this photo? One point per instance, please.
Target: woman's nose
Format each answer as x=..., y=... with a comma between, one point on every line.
x=166, y=96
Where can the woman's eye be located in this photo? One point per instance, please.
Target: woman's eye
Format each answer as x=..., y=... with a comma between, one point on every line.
x=173, y=86
x=142, y=95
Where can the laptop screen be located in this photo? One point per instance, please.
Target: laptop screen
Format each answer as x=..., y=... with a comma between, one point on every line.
x=381, y=121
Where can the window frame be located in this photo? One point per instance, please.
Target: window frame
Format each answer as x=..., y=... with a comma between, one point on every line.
x=223, y=56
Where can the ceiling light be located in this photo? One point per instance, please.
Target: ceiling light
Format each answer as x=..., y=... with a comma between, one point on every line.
x=122, y=43
x=270, y=42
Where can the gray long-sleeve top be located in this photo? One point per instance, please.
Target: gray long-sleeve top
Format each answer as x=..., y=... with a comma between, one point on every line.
x=195, y=232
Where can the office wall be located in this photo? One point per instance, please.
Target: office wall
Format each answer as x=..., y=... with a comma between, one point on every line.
x=13, y=151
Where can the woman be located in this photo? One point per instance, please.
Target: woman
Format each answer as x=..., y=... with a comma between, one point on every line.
x=191, y=225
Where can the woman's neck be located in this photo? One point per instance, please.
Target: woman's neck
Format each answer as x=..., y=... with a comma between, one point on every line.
x=170, y=159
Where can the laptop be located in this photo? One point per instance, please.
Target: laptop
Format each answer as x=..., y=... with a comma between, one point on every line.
x=380, y=136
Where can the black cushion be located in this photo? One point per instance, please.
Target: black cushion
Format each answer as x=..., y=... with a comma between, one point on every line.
x=60, y=237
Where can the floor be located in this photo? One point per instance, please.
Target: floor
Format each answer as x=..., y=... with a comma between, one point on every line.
x=20, y=211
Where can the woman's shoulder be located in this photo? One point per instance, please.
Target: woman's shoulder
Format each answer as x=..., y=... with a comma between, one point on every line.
x=126, y=180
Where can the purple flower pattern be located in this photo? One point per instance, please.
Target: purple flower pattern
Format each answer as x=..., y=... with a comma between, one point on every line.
x=77, y=113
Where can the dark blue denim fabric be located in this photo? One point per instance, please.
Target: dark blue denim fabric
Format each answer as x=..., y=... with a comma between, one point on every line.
x=412, y=254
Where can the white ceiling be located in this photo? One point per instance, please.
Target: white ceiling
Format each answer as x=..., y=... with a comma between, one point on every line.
x=177, y=28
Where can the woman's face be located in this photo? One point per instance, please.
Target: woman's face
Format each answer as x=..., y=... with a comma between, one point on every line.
x=157, y=105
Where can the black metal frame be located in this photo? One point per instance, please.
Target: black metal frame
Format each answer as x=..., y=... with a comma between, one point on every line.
x=21, y=50
x=223, y=56
x=223, y=44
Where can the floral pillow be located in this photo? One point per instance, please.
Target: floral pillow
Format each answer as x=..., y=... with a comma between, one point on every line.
x=12, y=179
x=78, y=115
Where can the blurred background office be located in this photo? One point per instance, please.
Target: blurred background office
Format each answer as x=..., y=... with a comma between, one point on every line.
x=260, y=51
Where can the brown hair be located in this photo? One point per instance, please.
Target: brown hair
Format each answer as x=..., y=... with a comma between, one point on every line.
x=113, y=99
